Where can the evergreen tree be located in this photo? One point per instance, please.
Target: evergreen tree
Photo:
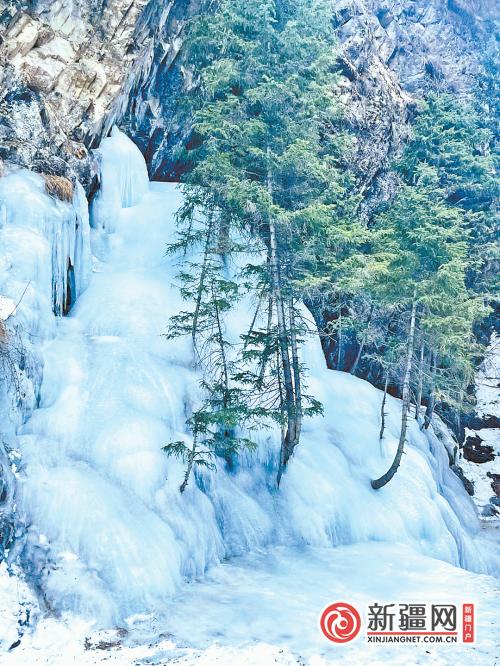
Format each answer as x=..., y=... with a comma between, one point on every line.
x=266, y=165
x=207, y=285
x=450, y=136
x=424, y=241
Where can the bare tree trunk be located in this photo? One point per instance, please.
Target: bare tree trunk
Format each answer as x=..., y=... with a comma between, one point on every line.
x=266, y=354
x=385, y=478
x=382, y=407
x=431, y=401
x=339, y=357
x=201, y=286
x=362, y=345
x=296, y=373
x=418, y=400
x=289, y=441
x=189, y=467
x=220, y=340
x=291, y=438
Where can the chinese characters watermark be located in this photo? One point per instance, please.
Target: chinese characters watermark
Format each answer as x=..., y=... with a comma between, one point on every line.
x=398, y=623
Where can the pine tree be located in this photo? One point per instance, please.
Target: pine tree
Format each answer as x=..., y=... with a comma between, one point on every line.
x=265, y=162
x=424, y=240
x=451, y=136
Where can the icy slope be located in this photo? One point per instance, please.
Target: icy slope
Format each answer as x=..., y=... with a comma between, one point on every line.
x=108, y=532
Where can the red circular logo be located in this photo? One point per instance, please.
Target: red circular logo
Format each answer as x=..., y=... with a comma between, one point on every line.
x=340, y=622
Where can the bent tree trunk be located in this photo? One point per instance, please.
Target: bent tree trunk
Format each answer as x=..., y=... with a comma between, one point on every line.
x=385, y=478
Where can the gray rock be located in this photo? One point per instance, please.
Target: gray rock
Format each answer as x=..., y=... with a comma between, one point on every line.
x=468, y=484
x=489, y=511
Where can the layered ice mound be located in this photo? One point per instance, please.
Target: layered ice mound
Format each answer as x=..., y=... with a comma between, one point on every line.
x=45, y=264
x=123, y=179
x=108, y=534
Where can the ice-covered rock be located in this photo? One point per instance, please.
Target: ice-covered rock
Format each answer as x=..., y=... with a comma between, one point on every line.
x=44, y=266
x=45, y=247
x=480, y=455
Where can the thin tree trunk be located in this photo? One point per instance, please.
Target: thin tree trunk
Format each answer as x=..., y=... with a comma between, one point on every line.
x=339, y=357
x=431, y=401
x=290, y=439
x=201, y=286
x=265, y=353
x=288, y=442
x=361, y=346
x=192, y=453
x=382, y=407
x=220, y=338
x=225, y=370
x=296, y=373
x=256, y=314
x=418, y=400
x=385, y=478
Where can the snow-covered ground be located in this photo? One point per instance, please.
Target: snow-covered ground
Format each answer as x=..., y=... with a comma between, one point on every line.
x=488, y=404
x=111, y=544
x=263, y=609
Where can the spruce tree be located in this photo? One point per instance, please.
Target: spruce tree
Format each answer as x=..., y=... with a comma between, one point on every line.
x=451, y=136
x=424, y=240
x=265, y=168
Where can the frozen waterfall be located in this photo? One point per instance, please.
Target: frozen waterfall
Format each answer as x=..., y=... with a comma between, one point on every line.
x=108, y=533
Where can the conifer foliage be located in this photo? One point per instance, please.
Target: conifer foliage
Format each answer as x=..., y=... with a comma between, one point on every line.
x=271, y=216
x=265, y=176
x=436, y=266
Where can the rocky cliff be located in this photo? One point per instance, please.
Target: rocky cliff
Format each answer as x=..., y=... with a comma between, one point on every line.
x=69, y=71
x=72, y=70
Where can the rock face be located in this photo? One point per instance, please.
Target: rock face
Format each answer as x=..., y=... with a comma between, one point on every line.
x=71, y=70
x=68, y=72
x=475, y=451
x=391, y=53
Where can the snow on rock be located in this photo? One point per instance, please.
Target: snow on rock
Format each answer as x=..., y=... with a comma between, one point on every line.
x=18, y=607
x=118, y=538
x=488, y=401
